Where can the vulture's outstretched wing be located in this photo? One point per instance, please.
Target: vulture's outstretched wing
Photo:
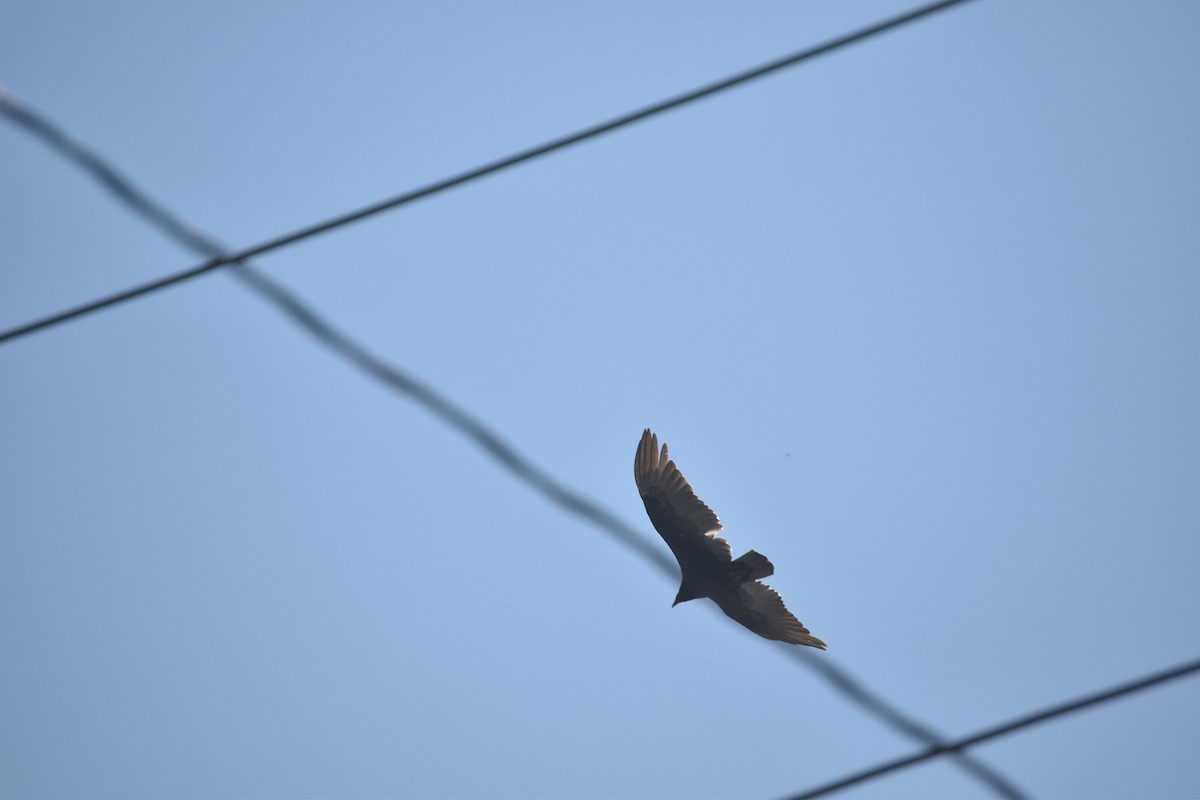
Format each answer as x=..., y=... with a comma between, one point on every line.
x=687, y=525
x=761, y=609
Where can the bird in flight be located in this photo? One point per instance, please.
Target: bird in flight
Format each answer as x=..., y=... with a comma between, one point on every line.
x=690, y=528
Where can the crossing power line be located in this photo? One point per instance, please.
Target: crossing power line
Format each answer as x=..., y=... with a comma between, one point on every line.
x=305, y=316
x=1005, y=728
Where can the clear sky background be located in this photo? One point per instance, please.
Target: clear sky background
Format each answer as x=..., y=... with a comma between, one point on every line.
x=920, y=321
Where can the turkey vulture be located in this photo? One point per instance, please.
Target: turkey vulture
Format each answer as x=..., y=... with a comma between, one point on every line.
x=690, y=529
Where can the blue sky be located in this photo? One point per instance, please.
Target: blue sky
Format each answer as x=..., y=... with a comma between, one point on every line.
x=920, y=321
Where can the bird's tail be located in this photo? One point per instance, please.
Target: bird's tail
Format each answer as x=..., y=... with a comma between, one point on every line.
x=753, y=565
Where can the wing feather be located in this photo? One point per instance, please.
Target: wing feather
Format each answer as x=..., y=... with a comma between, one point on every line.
x=688, y=526
x=761, y=609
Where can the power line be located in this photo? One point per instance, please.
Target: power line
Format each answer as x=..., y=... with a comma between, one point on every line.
x=1004, y=728
x=903, y=723
x=308, y=319
x=396, y=379
x=481, y=171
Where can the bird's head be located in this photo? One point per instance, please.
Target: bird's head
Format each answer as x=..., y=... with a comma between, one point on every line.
x=683, y=596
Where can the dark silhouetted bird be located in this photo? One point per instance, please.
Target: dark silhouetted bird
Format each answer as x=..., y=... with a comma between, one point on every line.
x=690, y=529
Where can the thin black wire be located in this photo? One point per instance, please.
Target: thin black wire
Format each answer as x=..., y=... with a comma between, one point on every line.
x=1004, y=728
x=441, y=407
x=307, y=318
x=479, y=172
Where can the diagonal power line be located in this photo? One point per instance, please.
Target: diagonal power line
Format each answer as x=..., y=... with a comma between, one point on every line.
x=1004, y=728
x=308, y=319
x=441, y=407
x=223, y=259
